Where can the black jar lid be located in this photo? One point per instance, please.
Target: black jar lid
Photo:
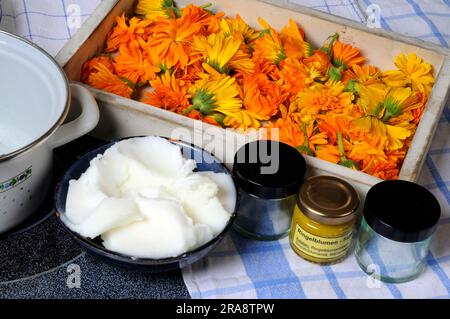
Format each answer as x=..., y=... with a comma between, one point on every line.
x=401, y=211
x=269, y=169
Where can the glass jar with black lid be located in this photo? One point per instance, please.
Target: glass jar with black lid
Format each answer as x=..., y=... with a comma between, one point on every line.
x=400, y=218
x=268, y=175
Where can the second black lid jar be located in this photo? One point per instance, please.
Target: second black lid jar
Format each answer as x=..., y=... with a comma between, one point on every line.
x=268, y=175
x=400, y=218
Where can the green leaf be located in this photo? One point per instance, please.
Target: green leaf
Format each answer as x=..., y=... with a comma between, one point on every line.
x=309, y=50
x=218, y=118
x=392, y=108
x=376, y=112
x=350, y=164
x=173, y=12
x=167, y=4
x=340, y=64
x=204, y=102
x=335, y=74
x=280, y=57
x=351, y=86
x=215, y=65
x=326, y=50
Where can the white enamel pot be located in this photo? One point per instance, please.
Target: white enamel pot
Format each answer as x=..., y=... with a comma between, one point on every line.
x=35, y=98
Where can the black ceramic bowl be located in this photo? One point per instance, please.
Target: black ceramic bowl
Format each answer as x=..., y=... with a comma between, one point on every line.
x=205, y=162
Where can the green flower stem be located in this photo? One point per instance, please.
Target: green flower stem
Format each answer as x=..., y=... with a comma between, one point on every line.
x=305, y=147
x=305, y=134
x=203, y=102
x=218, y=118
x=205, y=6
x=341, y=147
x=344, y=161
x=328, y=47
x=387, y=116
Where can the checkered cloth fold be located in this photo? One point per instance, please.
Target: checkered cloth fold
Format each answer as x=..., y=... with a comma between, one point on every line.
x=48, y=23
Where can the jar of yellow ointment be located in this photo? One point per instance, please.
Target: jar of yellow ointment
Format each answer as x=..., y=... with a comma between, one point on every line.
x=324, y=219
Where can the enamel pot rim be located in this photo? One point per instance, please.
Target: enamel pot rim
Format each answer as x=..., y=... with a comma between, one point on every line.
x=38, y=141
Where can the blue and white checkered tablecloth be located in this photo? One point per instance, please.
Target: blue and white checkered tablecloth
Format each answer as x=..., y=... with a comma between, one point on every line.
x=242, y=268
x=45, y=21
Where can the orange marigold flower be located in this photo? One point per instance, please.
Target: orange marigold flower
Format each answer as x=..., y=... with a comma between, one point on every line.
x=104, y=79
x=412, y=71
x=172, y=40
x=130, y=64
x=297, y=133
x=223, y=53
x=417, y=111
x=328, y=153
x=154, y=9
x=169, y=93
x=269, y=45
x=366, y=83
x=152, y=56
x=190, y=73
x=331, y=125
x=262, y=96
x=286, y=131
x=364, y=74
x=293, y=40
x=380, y=135
x=375, y=162
x=294, y=77
x=238, y=28
x=210, y=22
x=345, y=55
x=265, y=67
x=216, y=119
x=312, y=137
x=329, y=97
x=397, y=101
x=126, y=31
x=89, y=66
x=194, y=114
x=242, y=120
x=318, y=65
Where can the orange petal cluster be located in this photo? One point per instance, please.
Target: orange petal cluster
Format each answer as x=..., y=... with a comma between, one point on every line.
x=325, y=101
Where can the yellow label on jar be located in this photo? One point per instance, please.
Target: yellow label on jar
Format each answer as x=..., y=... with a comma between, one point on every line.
x=321, y=247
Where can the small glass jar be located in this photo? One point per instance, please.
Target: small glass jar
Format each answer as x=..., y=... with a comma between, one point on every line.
x=399, y=220
x=268, y=175
x=324, y=219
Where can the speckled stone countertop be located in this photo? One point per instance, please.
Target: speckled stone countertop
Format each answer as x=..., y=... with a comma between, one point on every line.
x=39, y=262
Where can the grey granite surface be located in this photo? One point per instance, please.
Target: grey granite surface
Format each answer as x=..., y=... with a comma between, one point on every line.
x=38, y=262
x=39, y=249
